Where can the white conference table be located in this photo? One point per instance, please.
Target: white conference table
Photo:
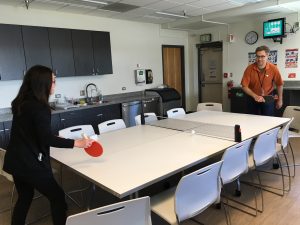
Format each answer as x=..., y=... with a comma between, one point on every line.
x=139, y=156
x=251, y=125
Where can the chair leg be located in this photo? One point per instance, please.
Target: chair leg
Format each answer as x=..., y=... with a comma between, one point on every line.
x=227, y=214
x=293, y=156
x=243, y=204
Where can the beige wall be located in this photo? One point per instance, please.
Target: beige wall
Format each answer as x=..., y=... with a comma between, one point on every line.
x=235, y=54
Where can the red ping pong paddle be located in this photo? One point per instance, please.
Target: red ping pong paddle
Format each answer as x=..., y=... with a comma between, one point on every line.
x=95, y=150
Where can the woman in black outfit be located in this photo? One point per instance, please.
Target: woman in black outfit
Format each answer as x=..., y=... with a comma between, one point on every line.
x=27, y=157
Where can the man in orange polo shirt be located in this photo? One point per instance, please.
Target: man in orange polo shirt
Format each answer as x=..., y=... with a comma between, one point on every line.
x=258, y=83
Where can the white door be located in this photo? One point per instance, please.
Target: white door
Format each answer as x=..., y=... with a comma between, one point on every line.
x=210, y=66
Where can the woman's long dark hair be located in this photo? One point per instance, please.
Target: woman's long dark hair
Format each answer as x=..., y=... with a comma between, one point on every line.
x=37, y=83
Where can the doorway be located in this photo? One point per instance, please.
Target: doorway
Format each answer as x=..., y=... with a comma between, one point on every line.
x=210, y=70
x=173, y=68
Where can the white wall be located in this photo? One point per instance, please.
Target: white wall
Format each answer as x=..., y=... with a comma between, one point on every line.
x=235, y=54
x=132, y=43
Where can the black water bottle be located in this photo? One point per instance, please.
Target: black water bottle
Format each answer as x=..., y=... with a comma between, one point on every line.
x=237, y=133
x=142, y=113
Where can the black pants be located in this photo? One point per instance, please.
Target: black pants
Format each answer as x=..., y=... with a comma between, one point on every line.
x=48, y=187
x=260, y=108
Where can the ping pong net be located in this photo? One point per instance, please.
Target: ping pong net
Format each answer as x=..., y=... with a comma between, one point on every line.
x=232, y=133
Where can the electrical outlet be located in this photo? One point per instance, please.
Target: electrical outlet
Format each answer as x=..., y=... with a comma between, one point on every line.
x=296, y=25
x=123, y=88
x=57, y=95
x=82, y=92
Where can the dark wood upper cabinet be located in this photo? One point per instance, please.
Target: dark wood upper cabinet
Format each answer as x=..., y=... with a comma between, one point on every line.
x=68, y=52
x=12, y=59
x=102, y=52
x=83, y=52
x=61, y=52
x=36, y=46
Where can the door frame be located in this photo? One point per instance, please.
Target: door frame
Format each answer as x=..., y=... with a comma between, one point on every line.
x=217, y=44
x=181, y=47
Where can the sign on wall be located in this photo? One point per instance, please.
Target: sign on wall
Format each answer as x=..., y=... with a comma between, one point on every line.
x=291, y=58
x=272, y=57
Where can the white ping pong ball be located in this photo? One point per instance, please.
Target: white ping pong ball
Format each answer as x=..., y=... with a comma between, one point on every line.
x=193, y=131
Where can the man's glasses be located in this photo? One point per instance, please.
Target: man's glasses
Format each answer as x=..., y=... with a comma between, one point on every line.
x=261, y=56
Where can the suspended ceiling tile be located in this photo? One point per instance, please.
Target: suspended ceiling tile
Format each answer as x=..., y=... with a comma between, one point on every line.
x=47, y=5
x=139, y=2
x=13, y=2
x=182, y=8
x=223, y=6
x=153, y=19
x=182, y=1
x=162, y=5
x=80, y=9
x=102, y=13
x=207, y=3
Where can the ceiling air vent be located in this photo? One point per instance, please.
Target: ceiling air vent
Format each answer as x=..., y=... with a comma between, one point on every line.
x=119, y=7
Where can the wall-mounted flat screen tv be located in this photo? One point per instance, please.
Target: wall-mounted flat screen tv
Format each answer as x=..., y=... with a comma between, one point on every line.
x=274, y=28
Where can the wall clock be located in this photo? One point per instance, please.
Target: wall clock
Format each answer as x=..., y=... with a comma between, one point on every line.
x=251, y=37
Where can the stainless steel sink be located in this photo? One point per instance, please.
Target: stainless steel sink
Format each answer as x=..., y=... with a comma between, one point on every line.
x=97, y=103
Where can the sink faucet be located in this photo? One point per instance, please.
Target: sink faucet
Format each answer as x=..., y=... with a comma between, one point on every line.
x=89, y=98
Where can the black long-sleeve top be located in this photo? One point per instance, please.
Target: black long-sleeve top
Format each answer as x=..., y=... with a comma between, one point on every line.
x=28, y=152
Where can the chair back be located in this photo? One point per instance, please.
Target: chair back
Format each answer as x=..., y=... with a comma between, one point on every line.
x=235, y=161
x=2, y=172
x=111, y=125
x=75, y=132
x=172, y=113
x=131, y=212
x=197, y=191
x=210, y=106
x=293, y=111
x=149, y=117
x=284, y=139
x=264, y=148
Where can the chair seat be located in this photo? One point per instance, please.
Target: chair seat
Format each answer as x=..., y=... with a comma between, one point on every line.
x=163, y=205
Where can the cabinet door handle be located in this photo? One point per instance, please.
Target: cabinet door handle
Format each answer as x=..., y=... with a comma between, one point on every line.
x=7, y=129
x=100, y=115
x=62, y=119
x=1, y=131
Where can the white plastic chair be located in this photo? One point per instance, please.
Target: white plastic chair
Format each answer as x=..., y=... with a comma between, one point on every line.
x=172, y=113
x=111, y=125
x=76, y=132
x=210, y=106
x=7, y=177
x=235, y=163
x=282, y=146
x=149, y=117
x=194, y=193
x=13, y=190
x=294, y=132
x=131, y=212
x=264, y=150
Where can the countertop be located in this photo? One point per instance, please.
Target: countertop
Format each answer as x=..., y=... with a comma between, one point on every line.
x=5, y=114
